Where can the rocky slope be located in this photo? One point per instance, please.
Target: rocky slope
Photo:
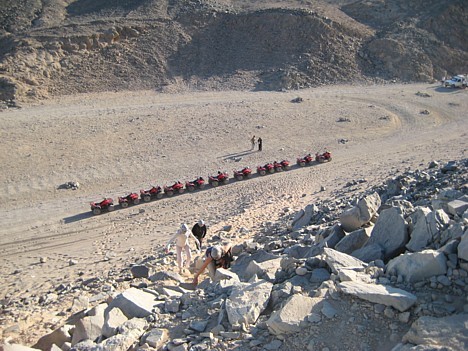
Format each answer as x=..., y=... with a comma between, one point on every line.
x=390, y=261
x=56, y=47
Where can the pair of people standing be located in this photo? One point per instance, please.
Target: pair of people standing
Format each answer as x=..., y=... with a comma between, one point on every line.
x=259, y=142
x=182, y=238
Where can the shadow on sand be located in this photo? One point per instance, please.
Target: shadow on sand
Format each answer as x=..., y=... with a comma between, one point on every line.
x=238, y=154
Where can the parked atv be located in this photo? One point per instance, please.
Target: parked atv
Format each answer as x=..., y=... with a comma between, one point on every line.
x=278, y=166
x=131, y=198
x=286, y=165
x=325, y=157
x=106, y=204
x=267, y=168
x=154, y=193
x=306, y=160
x=197, y=183
x=177, y=187
x=220, y=178
x=245, y=172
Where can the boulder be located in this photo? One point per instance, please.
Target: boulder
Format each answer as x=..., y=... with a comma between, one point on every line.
x=369, y=253
x=381, y=294
x=156, y=338
x=295, y=311
x=300, y=251
x=241, y=263
x=451, y=332
x=463, y=247
x=113, y=318
x=247, y=301
x=336, y=260
x=89, y=327
x=130, y=333
x=360, y=214
x=57, y=337
x=415, y=267
x=390, y=233
x=332, y=236
x=17, y=347
x=458, y=207
x=427, y=228
x=353, y=241
x=139, y=271
x=263, y=270
x=303, y=217
x=444, y=197
x=134, y=302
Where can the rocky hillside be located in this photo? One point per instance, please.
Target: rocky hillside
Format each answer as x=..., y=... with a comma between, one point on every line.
x=386, y=267
x=55, y=47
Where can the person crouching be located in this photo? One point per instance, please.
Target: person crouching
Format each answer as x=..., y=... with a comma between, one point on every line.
x=215, y=257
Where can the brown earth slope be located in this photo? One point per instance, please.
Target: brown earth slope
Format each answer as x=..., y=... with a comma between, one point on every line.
x=57, y=47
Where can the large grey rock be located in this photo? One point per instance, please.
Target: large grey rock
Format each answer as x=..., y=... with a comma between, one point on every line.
x=463, y=247
x=241, y=263
x=369, y=253
x=335, y=260
x=17, y=347
x=247, y=301
x=303, y=217
x=139, y=271
x=319, y=275
x=451, y=332
x=155, y=338
x=390, y=233
x=130, y=333
x=381, y=294
x=353, y=241
x=360, y=214
x=444, y=197
x=332, y=236
x=89, y=327
x=300, y=251
x=427, y=228
x=295, y=311
x=263, y=270
x=57, y=337
x=113, y=318
x=458, y=207
x=417, y=266
x=134, y=302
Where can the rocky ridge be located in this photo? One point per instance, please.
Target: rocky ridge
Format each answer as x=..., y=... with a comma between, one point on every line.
x=390, y=261
x=53, y=47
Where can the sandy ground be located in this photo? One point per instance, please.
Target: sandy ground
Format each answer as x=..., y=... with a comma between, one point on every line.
x=117, y=143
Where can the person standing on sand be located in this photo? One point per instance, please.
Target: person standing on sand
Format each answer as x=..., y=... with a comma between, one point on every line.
x=260, y=145
x=199, y=231
x=181, y=238
x=253, y=142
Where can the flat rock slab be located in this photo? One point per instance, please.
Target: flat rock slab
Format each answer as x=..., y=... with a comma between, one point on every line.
x=385, y=295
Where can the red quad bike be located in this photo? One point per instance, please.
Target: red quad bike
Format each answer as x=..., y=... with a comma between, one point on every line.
x=325, y=157
x=278, y=166
x=306, y=160
x=245, y=172
x=154, y=192
x=285, y=164
x=132, y=198
x=106, y=204
x=221, y=177
x=268, y=168
x=177, y=187
x=197, y=183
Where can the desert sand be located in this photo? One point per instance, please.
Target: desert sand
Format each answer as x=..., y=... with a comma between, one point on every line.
x=117, y=143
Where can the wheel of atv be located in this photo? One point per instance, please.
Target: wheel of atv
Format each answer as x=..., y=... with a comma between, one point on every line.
x=170, y=193
x=181, y=190
x=214, y=183
x=249, y=175
x=301, y=164
x=146, y=198
x=202, y=186
x=191, y=188
x=279, y=169
x=286, y=168
x=262, y=173
x=329, y=160
x=124, y=204
x=96, y=210
x=225, y=181
x=159, y=195
x=271, y=170
x=111, y=208
x=136, y=201
x=239, y=177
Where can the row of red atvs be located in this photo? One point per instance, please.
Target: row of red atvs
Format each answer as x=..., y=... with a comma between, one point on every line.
x=157, y=192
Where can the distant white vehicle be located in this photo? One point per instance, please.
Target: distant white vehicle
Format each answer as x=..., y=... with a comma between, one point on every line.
x=458, y=81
